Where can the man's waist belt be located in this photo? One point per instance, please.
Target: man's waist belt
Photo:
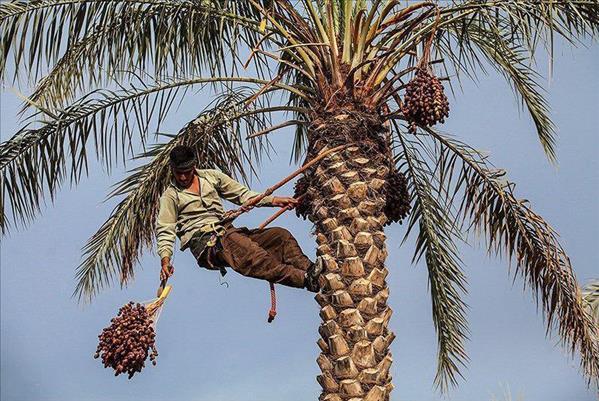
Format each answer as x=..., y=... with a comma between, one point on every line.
x=206, y=238
x=207, y=233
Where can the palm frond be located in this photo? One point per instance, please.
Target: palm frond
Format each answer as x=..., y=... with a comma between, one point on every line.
x=468, y=43
x=590, y=297
x=512, y=229
x=301, y=134
x=217, y=134
x=161, y=37
x=36, y=160
x=531, y=22
x=42, y=154
x=436, y=240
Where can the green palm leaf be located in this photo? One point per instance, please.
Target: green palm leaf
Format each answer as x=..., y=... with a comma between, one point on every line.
x=436, y=240
x=531, y=23
x=163, y=38
x=38, y=159
x=514, y=230
x=590, y=297
x=492, y=40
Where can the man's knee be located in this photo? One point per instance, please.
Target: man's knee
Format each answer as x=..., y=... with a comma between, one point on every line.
x=281, y=233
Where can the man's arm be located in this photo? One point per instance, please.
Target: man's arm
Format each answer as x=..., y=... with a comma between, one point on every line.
x=166, y=232
x=236, y=192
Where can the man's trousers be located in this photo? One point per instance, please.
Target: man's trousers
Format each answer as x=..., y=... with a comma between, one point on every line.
x=270, y=254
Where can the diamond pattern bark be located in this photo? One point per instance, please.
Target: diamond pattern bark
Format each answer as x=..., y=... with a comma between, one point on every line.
x=348, y=216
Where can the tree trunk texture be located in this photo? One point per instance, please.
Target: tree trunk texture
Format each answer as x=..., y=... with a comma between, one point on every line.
x=347, y=202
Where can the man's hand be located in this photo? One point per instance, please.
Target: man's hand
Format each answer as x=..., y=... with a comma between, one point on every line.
x=167, y=269
x=284, y=201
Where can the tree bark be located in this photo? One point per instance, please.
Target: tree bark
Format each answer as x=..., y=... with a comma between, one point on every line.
x=347, y=205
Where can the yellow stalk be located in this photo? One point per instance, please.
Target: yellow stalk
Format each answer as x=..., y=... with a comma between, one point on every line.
x=386, y=67
x=321, y=29
x=403, y=48
x=381, y=24
x=347, y=33
x=303, y=54
x=333, y=44
x=287, y=63
x=358, y=44
x=374, y=8
x=317, y=22
x=364, y=27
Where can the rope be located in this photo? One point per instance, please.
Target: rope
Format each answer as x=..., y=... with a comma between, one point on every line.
x=273, y=304
x=233, y=214
x=273, y=294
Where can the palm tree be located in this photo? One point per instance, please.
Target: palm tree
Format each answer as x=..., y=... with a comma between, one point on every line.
x=354, y=73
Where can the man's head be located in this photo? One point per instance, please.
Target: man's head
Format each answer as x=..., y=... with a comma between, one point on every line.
x=183, y=163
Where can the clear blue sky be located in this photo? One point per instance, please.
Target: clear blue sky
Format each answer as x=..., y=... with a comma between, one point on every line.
x=214, y=342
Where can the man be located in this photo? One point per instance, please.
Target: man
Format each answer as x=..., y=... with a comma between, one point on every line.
x=191, y=209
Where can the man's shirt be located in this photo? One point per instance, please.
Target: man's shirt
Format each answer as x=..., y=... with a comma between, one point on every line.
x=183, y=212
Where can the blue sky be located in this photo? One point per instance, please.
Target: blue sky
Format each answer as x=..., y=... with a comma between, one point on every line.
x=213, y=340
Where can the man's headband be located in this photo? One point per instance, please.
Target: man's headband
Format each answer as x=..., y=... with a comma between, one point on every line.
x=183, y=165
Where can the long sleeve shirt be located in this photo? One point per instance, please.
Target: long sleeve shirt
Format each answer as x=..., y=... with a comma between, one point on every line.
x=182, y=212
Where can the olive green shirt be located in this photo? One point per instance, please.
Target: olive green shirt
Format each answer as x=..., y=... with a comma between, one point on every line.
x=183, y=212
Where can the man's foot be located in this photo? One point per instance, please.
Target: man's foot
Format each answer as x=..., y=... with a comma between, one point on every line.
x=311, y=277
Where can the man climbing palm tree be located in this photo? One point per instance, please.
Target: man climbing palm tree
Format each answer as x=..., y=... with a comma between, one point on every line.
x=191, y=209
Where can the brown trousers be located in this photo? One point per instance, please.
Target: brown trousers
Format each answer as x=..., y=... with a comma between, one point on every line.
x=270, y=254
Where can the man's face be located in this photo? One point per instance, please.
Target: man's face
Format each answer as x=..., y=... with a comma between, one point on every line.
x=184, y=177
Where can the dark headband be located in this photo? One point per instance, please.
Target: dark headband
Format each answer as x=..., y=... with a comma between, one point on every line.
x=183, y=165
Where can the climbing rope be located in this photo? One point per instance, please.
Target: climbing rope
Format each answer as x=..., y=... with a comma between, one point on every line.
x=233, y=214
x=273, y=295
x=273, y=304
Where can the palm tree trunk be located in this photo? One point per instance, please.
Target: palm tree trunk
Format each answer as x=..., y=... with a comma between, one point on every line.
x=347, y=201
